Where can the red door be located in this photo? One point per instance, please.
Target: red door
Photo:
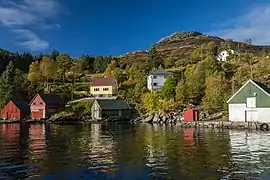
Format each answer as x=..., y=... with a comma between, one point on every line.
x=38, y=114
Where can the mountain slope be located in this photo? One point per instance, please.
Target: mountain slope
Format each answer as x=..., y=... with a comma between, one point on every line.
x=180, y=45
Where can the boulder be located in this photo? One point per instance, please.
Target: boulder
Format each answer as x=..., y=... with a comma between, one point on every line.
x=148, y=119
x=156, y=118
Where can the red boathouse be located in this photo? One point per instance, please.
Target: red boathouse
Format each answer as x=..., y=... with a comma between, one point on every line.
x=16, y=109
x=43, y=105
x=191, y=115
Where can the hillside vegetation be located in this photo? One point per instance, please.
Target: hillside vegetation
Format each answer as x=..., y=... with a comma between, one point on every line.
x=199, y=79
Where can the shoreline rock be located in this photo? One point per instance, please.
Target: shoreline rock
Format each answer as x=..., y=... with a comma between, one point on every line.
x=175, y=117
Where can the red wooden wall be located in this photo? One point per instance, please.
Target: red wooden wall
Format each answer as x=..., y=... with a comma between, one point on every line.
x=11, y=111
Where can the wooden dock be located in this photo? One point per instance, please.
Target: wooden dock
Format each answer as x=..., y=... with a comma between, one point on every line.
x=225, y=125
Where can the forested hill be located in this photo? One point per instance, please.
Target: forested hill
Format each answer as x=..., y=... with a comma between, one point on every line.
x=198, y=79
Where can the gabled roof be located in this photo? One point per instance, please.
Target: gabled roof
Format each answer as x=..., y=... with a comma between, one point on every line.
x=260, y=85
x=161, y=72
x=109, y=104
x=103, y=81
x=22, y=105
x=50, y=99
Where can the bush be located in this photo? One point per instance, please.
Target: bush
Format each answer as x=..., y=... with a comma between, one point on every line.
x=82, y=87
x=82, y=108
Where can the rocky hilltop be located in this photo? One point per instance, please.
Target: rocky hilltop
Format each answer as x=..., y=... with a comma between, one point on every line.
x=179, y=45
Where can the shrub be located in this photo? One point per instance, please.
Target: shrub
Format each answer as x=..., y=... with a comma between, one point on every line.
x=82, y=108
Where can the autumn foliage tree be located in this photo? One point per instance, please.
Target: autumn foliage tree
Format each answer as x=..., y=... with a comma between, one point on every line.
x=48, y=69
x=216, y=93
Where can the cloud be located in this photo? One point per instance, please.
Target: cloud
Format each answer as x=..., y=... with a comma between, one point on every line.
x=19, y=17
x=253, y=25
x=29, y=40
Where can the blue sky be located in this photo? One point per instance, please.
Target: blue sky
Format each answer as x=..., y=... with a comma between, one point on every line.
x=105, y=27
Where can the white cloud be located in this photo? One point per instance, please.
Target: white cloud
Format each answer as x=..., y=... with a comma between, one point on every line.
x=253, y=25
x=29, y=40
x=19, y=16
x=12, y=17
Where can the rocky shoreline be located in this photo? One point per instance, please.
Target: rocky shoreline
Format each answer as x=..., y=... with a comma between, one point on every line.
x=175, y=117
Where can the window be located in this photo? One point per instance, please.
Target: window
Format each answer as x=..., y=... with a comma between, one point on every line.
x=96, y=89
x=105, y=89
x=34, y=103
x=251, y=102
x=154, y=77
x=40, y=103
x=155, y=84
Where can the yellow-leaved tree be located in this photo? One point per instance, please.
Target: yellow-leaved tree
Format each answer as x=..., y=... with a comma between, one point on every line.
x=34, y=74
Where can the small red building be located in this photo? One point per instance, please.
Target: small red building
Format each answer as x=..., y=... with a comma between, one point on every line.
x=191, y=115
x=43, y=105
x=16, y=109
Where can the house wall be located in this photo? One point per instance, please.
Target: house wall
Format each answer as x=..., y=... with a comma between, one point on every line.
x=240, y=113
x=11, y=111
x=262, y=99
x=96, y=111
x=37, y=108
x=112, y=90
x=116, y=113
x=237, y=112
x=159, y=79
x=223, y=55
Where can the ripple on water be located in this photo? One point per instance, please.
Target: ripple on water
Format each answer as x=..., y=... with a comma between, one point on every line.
x=53, y=151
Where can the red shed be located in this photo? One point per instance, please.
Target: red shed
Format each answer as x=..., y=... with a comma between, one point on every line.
x=16, y=109
x=43, y=105
x=191, y=115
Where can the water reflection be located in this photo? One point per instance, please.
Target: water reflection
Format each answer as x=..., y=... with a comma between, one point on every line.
x=36, y=142
x=133, y=151
x=250, y=151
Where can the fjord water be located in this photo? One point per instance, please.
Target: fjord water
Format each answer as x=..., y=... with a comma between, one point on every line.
x=125, y=151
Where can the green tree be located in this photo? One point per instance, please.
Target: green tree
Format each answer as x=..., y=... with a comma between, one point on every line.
x=54, y=55
x=22, y=85
x=195, y=79
x=150, y=101
x=63, y=64
x=180, y=91
x=216, y=93
x=168, y=63
x=7, y=84
x=154, y=60
x=100, y=64
x=88, y=63
x=168, y=89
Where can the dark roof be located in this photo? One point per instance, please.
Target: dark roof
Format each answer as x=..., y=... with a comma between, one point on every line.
x=161, y=72
x=263, y=86
x=51, y=99
x=107, y=104
x=23, y=106
x=103, y=81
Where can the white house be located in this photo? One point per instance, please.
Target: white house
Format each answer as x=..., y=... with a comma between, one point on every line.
x=222, y=56
x=251, y=103
x=156, y=80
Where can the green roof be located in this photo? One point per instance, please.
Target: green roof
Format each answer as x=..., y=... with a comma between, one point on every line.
x=110, y=104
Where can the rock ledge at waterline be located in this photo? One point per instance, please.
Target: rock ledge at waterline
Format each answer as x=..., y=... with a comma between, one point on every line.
x=175, y=117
